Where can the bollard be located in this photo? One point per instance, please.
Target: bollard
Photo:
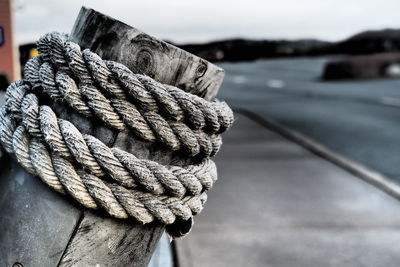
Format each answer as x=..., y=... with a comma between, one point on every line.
x=39, y=227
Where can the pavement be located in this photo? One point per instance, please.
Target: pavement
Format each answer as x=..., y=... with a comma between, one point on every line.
x=277, y=204
x=357, y=119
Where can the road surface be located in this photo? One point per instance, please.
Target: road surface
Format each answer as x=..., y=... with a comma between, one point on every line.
x=277, y=205
x=358, y=119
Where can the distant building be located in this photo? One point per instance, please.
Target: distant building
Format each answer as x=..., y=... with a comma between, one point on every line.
x=9, y=67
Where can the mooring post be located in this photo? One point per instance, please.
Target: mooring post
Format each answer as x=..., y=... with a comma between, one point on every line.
x=39, y=227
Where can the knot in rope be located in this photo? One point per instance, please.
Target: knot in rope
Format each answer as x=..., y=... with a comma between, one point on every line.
x=76, y=163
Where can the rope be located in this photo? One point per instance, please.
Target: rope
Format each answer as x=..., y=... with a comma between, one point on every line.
x=82, y=166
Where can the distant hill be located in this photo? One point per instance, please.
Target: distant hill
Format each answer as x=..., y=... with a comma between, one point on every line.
x=368, y=42
x=243, y=49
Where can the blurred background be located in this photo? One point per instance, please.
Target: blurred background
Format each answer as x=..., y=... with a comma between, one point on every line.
x=299, y=53
x=326, y=70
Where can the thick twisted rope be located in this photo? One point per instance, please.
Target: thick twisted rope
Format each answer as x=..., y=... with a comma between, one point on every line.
x=157, y=112
x=82, y=166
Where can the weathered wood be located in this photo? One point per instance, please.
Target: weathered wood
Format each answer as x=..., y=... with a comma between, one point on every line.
x=125, y=243
x=35, y=222
x=142, y=53
x=92, y=237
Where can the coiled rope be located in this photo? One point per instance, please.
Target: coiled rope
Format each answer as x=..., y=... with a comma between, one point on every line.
x=82, y=166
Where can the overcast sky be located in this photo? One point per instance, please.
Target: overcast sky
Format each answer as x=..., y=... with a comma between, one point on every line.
x=204, y=20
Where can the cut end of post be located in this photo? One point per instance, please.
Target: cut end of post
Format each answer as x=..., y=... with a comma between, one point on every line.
x=142, y=53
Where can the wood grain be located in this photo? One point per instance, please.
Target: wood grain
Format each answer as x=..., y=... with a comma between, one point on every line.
x=35, y=222
x=142, y=53
x=104, y=242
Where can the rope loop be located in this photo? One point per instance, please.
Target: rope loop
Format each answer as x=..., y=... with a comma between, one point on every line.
x=77, y=164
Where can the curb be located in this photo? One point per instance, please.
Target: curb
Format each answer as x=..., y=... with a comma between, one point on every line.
x=366, y=174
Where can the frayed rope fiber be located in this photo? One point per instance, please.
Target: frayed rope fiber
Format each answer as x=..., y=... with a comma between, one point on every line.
x=97, y=176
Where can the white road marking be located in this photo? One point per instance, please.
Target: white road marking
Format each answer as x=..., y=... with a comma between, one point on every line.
x=275, y=83
x=239, y=79
x=390, y=101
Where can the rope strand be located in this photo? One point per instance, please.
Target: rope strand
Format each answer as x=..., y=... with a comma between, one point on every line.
x=82, y=166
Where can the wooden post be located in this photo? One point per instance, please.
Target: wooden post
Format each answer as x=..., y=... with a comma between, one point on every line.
x=39, y=227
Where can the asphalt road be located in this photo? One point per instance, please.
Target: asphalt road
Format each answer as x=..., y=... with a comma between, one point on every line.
x=358, y=119
x=275, y=204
